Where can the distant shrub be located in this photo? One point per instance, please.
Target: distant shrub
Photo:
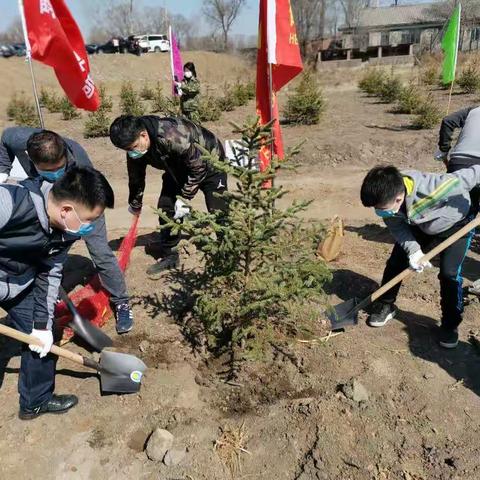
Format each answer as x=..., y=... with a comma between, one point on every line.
x=469, y=79
x=391, y=89
x=428, y=115
x=147, y=92
x=69, y=112
x=372, y=81
x=97, y=124
x=209, y=108
x=306, y=104
x=409, y=100
x=22, y=111
x=130, y=103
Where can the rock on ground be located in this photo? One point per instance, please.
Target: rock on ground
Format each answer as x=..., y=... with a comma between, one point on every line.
x=158, y=444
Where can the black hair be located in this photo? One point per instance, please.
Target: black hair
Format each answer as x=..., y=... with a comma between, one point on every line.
x=46, y=147
x=190, y=66
x=125, y=130
x=381, y=186
x=86, y=186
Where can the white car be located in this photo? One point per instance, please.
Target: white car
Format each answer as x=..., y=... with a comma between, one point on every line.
x=154, y=43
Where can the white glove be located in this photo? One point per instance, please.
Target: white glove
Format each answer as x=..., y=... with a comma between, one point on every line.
x=134, y=211
x=441, y=156
x=46, y=337
x=415, y=264
x=181, y=210
x=3, y=177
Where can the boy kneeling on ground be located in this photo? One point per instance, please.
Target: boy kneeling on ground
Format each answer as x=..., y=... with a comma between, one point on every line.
x=421, y=210
x=39, y=221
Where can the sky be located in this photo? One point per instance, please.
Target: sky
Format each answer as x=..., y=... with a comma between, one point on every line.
x=245, y=24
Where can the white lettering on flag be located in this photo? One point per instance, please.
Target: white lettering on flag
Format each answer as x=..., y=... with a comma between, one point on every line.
x=81, y=62
x=46, y=8
x=89, y=88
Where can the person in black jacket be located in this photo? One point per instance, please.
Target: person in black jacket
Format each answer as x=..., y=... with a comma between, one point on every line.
x=173, y=145
x=39, y=221
x=45, y=153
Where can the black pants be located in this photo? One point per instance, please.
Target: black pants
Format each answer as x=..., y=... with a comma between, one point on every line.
x=36, y=381
x=450, y=276
x=215, y=182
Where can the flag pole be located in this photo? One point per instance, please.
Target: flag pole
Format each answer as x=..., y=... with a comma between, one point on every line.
x=30, y=63
x=270, y=97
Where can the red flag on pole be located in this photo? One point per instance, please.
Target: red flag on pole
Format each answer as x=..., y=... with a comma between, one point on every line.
x=55, y=40
x=278, y=62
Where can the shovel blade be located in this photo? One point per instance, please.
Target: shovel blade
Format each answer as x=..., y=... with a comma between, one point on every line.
x=343, y=315
x=120, y=372
x=91, y=334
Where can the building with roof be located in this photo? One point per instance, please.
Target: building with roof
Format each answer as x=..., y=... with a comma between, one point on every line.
x=394, y=31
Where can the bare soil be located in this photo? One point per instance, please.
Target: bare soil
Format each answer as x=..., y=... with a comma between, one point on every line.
x=421, y=420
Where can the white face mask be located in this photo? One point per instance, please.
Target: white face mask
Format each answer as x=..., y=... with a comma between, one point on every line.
x=188, y=74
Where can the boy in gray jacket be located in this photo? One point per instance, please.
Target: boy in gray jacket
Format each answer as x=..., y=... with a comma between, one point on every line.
x=421, y=210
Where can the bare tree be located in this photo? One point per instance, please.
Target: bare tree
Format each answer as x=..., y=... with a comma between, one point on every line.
x=470, y=15
x=351, y=10
x=310, y=17
x=13, y=33
x=223, y=13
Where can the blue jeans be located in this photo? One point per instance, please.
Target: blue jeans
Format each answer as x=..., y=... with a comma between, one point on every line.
x=36, y=381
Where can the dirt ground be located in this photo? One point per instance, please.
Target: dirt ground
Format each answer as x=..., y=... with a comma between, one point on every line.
x=421, y=419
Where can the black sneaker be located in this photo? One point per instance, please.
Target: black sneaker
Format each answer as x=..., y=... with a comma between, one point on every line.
x=381, y=314
x=57, y=404
x=448, y=338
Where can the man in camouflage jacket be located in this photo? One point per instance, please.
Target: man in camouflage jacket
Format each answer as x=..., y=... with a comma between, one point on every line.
x=169, y=144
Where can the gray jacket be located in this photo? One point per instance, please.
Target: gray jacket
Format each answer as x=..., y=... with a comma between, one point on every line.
x=467, y=147
x=434, y=203
x=13, y=144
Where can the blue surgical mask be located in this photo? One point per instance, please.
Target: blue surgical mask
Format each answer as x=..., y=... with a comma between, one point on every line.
x=84, y=229
x=52, y=175
x=385, y=213
x=134, y=154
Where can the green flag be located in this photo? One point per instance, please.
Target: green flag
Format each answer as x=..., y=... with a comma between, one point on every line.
x=450, y=46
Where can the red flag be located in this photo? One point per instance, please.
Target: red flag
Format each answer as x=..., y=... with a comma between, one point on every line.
x=278, y=46
x=56, y=40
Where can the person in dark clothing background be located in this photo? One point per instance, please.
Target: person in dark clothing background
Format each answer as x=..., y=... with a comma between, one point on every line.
x=46, y=154
x=172, y=145
x=464, y=154
x=39, y=221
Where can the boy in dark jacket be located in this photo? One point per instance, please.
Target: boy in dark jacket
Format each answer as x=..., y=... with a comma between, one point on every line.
x=39, y=221
x=421, y=210
x=170, y=144
x=45, y=153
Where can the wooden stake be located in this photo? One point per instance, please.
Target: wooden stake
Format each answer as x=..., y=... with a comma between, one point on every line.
x=450, y=97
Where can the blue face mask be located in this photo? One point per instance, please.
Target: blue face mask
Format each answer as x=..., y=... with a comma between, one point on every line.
x=134, y=154
x=385, y=213
x=84, y=229
x=53, y=175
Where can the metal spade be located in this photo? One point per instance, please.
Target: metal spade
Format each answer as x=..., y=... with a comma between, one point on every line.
x=119, y=372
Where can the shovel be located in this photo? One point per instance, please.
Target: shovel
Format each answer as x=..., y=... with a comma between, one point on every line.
x=97, y=339
x=119, y=372
x=345, y=313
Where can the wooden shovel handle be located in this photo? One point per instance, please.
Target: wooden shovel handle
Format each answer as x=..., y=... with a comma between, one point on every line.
x=30, y=340
x=427, y=257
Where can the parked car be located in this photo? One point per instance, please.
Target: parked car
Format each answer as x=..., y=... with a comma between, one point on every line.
x=153, y=43
x=91, y=48
x=109, y=47
x=19, y=48
x=6, y=51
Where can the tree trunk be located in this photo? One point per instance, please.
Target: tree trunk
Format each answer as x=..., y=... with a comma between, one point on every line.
x=225, y=39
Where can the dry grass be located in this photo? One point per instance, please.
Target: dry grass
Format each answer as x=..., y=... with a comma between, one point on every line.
x=230, y=446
